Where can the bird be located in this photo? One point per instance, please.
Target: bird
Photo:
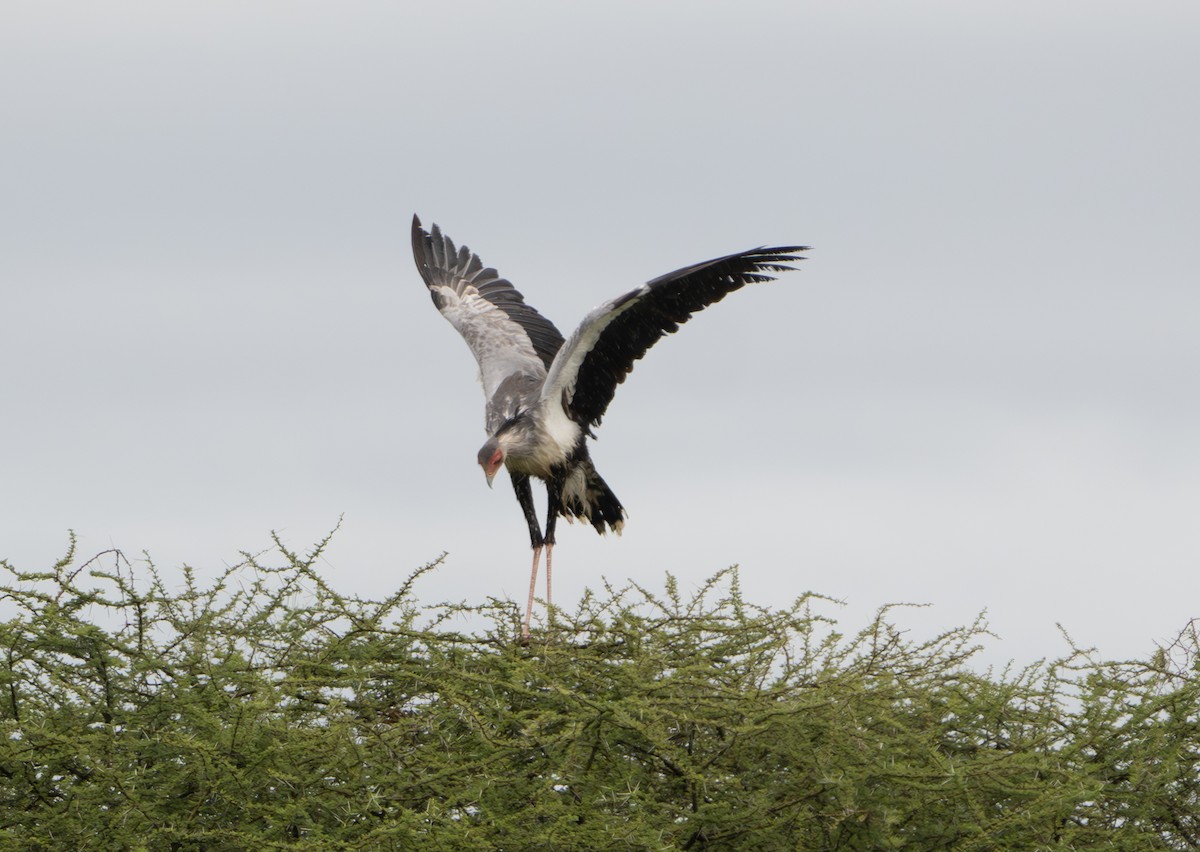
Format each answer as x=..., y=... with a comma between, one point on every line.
x=545, y=394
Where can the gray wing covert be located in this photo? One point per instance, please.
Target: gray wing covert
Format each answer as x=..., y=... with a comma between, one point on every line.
x=508, y=337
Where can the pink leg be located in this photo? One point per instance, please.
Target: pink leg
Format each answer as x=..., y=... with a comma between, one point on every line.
x=537, y=554
x=549, y=550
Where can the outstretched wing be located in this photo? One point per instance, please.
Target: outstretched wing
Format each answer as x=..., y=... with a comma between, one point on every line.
x=602, y=351
x=507, y=336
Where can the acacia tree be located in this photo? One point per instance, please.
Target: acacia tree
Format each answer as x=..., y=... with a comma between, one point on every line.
x=267, y=710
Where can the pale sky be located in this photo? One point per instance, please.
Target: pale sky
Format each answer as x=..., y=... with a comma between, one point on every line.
x=980, y=392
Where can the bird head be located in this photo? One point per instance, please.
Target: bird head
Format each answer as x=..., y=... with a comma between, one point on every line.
x=491, y=459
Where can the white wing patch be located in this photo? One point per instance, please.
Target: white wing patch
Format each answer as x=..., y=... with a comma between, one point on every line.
x=565, y=368
x=500, y=345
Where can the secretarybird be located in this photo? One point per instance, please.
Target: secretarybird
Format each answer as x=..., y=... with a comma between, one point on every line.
x=544, y=393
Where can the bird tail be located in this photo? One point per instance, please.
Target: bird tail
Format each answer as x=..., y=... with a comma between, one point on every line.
x=585, y=495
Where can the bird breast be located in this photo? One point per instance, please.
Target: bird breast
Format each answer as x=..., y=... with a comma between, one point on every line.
x=544, y=442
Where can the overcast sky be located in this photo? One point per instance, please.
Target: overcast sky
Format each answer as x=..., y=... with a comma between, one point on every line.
x=980, y=392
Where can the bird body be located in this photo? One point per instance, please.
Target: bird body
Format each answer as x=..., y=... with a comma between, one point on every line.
x=544, y=392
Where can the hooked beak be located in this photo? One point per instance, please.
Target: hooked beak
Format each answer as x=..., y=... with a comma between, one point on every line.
x=491, y=459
